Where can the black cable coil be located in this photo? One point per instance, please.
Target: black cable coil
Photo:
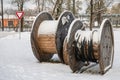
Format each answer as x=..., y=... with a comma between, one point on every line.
x=85, y=52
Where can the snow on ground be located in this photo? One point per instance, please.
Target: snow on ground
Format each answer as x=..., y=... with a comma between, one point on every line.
x=17, y=62
x=6, y=33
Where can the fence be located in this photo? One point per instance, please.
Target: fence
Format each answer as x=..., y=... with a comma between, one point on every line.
x=25, y=29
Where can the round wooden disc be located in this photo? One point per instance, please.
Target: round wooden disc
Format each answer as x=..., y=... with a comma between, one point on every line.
x=64, y=22
x=65, y=52
x=106, y=46
x=38, y=53
x=74, y=63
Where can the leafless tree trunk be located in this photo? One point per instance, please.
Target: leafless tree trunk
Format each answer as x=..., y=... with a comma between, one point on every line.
x=97, y=8
x=69, y=4
x=22, y=19
x=74, y=11
x=43, y=2
x=91, y=14
x=2, y=15
x=57, y=8
x=38, y=5
x=99, y=13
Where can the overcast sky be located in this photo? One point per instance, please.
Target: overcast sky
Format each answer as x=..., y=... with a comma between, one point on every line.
x=7, y=4
x=31, y=4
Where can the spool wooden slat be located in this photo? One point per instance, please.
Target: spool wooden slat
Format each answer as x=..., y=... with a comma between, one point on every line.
x=47, y=43
x=65, y=52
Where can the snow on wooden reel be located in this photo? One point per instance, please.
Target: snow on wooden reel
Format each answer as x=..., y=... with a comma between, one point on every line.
x=47, y=35
x=65, y=50
x=90, y=46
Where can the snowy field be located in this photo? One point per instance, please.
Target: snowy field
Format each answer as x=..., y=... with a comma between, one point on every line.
x=17, y=62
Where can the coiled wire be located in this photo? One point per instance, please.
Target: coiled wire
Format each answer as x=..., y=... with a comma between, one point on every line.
x=84, y=47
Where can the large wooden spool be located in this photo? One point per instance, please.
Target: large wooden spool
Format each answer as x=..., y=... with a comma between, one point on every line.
x=48, y=35
x=90, y=46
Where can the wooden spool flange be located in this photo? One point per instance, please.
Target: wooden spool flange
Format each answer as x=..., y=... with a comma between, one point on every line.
x=90, y=46
x=47, y=35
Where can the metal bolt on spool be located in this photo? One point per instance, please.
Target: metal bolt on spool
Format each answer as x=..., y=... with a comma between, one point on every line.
x=90, y=46
x=48, y=35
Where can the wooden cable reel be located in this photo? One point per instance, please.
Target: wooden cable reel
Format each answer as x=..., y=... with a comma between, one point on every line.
x=47, y=35
x=90, y=46
x=65, y=50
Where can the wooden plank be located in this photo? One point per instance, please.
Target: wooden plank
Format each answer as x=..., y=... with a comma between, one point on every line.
x=47, y=43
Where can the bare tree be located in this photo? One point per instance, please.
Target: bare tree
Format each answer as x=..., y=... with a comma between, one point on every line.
x=40, y=5
x=77, y=6
x=2, y=15
x=19, y=4
x=74, y=6
x=74, y=9
x=96, y=8
x=91, y=17
x=57, y=8
x=69, y=4
x=116, y=9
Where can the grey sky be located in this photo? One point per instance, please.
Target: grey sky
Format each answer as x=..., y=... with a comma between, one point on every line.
x=7, y=4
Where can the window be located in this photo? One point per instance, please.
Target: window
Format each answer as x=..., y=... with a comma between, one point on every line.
x=10, y=24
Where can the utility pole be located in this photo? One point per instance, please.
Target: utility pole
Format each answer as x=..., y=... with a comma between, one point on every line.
x=2, y=15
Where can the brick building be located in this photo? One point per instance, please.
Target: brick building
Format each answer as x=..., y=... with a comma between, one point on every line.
x=9, y=21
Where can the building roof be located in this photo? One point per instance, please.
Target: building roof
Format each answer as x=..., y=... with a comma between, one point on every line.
x=6, y=16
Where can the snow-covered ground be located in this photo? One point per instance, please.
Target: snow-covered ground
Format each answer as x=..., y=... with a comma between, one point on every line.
x=6, y=33
x=17, y=62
